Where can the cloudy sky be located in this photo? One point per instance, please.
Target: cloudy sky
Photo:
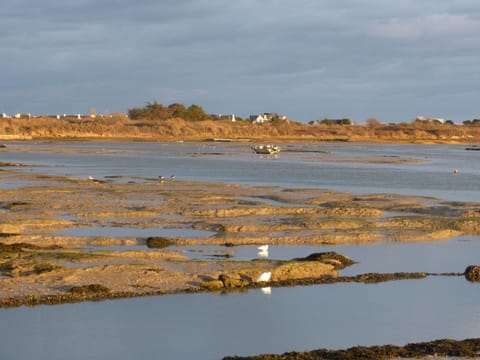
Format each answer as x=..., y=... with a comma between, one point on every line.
x=307, y=59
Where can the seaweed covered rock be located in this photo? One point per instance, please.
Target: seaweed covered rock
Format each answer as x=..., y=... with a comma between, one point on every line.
x=87, y=290
x=472, y=273
x=233, y=282
x=158, y=242
x=338, y=261
x=226, y=281
x=212, y=284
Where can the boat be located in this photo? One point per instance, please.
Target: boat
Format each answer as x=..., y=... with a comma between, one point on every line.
x=267, y=149
x=473, y=147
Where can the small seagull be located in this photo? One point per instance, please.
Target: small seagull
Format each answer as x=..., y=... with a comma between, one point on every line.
x=172, y=177
x=264, y=277
x=161, y=177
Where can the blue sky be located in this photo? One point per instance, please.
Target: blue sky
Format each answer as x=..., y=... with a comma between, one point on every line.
x=307, y=59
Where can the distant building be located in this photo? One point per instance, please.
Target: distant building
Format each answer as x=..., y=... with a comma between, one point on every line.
x=266, y=117
x=425, y=119
x=221, y=117
x=22, y=116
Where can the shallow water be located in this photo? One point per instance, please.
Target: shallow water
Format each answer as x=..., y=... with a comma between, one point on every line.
x=206, y=326
x=235, y=163
x=119, y=232
x=433, y=257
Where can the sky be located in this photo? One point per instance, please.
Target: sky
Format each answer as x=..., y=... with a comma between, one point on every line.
x=306, y=59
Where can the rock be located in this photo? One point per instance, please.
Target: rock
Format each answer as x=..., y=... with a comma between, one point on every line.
x=232, y=282
x=472, y=273
x=159, y=242
x=302, y=270
x=212, y=284
x=339, y=261
x=86, y=290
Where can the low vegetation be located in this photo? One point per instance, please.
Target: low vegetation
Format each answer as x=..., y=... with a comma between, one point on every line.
x=157, y=122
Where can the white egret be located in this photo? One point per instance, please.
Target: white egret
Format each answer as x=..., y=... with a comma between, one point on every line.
x=264, y=277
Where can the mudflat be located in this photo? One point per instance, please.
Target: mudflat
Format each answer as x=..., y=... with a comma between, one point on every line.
x=39, y=264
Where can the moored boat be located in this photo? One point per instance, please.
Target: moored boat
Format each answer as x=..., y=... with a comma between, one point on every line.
x=267, y=149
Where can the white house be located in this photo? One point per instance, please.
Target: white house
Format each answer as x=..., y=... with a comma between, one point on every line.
x=265, y=117
x=429, y=119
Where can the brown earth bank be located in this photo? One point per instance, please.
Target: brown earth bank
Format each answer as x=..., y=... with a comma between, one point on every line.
x=123, y=128
x=468, y=348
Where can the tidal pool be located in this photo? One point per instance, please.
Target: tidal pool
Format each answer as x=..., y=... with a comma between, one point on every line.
x=434, y=257
x=207, y=326
x=118, y=232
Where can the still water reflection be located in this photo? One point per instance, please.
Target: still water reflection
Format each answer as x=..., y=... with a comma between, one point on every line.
x=433, y=257
x=206, y=326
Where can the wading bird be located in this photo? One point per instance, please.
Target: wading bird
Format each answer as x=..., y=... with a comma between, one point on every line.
x=264, y=277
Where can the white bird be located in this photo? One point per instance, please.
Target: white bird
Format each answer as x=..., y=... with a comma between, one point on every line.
x=267, y=290
x=264, y=277
x=91, y=178
x=263, y=248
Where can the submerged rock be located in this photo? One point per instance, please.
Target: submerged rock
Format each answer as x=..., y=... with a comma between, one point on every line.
x=159, y=242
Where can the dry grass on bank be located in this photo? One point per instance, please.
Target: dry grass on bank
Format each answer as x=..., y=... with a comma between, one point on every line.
x=119, y=127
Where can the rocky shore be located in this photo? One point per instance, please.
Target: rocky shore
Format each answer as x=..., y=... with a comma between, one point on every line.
x=438, y=349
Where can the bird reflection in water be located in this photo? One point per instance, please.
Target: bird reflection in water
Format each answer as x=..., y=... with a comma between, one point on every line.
x=266, y=290
x=263, y=251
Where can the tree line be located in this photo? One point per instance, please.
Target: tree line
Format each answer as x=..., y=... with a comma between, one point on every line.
x=156, y=111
